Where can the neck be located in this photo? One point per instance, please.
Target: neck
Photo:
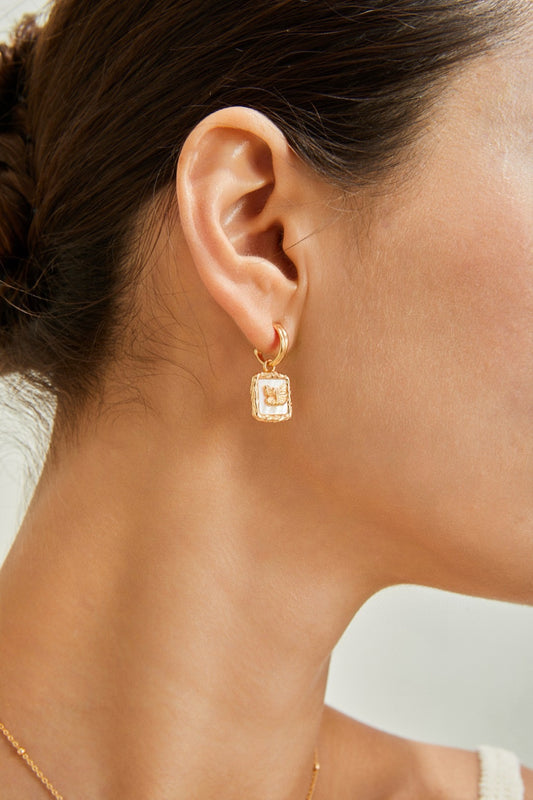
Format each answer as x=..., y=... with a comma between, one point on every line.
x=164, y=636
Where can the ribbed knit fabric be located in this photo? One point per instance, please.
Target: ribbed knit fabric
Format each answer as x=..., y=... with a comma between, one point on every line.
x=501, y=777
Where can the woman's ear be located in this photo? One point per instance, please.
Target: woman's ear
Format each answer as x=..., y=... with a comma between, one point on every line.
x=238, y=196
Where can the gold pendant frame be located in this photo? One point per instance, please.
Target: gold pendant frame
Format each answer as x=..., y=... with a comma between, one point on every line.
x=271, y=397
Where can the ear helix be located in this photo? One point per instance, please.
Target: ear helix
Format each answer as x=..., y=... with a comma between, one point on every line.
x=270, y=390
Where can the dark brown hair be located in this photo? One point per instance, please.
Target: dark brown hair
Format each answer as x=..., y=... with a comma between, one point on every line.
x=95, y=106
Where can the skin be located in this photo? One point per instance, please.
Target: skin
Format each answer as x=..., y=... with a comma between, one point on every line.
x=169, y=608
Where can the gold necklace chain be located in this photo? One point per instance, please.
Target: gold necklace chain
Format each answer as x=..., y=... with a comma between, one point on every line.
x=316, y=767
x=20, y=751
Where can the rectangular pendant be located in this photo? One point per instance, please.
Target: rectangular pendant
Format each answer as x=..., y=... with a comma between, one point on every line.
x=271, y=397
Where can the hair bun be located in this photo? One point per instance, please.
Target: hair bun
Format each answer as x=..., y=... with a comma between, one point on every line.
x=16, y=179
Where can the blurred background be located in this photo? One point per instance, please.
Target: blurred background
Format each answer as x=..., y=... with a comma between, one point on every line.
x=417, y=662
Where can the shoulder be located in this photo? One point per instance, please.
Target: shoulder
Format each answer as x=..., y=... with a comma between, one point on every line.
x=447, y=768
x=401, y=769
x=527, y=775
x=360, y=761
x=369, y=763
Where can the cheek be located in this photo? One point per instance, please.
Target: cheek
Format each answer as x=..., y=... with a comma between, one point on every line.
x=461, y=339
x=469, y=275
x=432, y=435
x=443, y=318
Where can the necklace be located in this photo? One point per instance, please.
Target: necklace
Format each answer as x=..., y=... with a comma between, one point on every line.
x=20, y=751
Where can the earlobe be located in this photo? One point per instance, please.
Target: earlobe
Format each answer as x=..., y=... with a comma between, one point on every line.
x=232, y=186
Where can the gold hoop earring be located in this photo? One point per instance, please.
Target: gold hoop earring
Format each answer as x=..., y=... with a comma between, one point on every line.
x=271, y=391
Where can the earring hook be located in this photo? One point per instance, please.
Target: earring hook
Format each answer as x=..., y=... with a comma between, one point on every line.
x=269, y=364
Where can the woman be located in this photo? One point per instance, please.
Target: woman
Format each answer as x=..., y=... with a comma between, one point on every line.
x=344, y=188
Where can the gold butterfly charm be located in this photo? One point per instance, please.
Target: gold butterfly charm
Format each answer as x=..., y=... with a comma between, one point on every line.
x=276, y=396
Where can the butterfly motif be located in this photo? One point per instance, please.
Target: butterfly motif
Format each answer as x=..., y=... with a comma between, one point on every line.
x=276, y=395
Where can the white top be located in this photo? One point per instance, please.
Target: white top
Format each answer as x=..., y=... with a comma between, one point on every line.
x=501, y=777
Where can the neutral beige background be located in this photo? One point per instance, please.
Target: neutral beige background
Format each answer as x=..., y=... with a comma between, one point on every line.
x=414, y=661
